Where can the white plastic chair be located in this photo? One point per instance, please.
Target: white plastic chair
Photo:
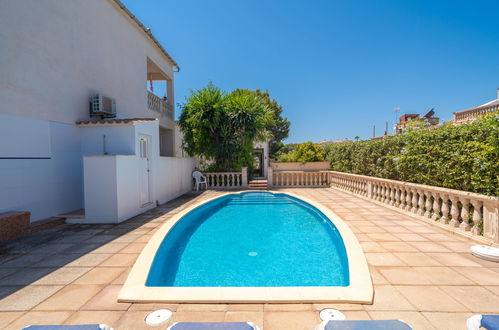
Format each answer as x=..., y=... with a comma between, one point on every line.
x=200, y=179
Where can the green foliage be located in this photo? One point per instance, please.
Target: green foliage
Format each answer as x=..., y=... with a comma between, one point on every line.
x=304, y=152
x=221, y=127
x=278, y=128
x=462, y=157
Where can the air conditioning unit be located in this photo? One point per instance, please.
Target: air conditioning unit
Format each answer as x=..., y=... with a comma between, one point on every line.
x=102, y=106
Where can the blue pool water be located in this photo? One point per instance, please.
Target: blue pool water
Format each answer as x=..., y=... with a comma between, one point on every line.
x=251, y=239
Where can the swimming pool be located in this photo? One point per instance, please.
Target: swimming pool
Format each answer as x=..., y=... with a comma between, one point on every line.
x=251, y=247
x=254, y=239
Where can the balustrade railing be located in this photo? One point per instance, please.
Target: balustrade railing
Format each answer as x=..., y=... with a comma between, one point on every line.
x=299, y=179
x=460, y=209
x=227, y=180
x=472, y=114
x=224, y=180
x=155, y=103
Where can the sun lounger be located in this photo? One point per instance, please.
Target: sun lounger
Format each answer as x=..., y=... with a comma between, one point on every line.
x=362, y=325
x=213, y=326
x=489, y=322
x=69, y=327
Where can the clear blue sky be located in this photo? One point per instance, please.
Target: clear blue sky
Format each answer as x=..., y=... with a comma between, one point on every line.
x=337, y=67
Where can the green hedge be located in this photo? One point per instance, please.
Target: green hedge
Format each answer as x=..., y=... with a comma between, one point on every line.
x=462, y=157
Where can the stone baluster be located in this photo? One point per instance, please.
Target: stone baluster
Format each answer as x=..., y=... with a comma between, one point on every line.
x=465, y=215
x=477, y=217
x=420, y=203
x=392, y=196
x=396, y=201
x=414, y=201
x=454, y=211
x=402, y=198
x=428, y=204
x=436, y=206
x=445, y=209
x=408, y=199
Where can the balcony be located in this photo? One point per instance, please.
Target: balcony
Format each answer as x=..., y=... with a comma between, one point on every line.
x=472, y=114
x=159, y=105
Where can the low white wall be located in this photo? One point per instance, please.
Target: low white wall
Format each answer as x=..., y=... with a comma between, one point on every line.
x=112, y=191
x=101, y=198
x=112, y=187
x=174, y=178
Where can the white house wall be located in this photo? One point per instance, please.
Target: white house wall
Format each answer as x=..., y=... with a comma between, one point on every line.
x=55, y=54
x=43, y=174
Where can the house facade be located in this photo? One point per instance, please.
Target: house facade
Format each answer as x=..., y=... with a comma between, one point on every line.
x=54, y=57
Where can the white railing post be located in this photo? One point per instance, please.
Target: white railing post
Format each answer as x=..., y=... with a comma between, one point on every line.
x=491, y=220
x=270, y=176
x=244, y=177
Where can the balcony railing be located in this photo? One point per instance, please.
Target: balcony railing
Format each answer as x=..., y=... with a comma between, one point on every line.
x=472, y=114
x=157, y=104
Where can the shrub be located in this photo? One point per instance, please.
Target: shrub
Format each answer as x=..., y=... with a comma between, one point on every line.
x=462, y=157
x=304, y=152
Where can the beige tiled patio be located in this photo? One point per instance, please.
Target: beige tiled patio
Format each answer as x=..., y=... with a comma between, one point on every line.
x=71, y=274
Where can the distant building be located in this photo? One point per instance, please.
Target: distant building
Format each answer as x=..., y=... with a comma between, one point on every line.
x=405, y=120
x=466, y=116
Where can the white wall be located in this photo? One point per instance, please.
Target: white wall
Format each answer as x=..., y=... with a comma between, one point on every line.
x=56, y=53
x=120, y=139
x=175, y=178
x=40, y=171
x=101, y=195
x=112, y=187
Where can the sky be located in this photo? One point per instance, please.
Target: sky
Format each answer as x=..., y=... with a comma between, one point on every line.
x=338, y=68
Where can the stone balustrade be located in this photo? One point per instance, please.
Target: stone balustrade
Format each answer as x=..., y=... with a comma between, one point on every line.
x=299, y=179
x=464, y=211
x=227, y=180
x=155, y=103
x=465, y=116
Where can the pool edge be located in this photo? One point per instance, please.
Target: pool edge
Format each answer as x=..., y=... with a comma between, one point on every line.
x=360, y=289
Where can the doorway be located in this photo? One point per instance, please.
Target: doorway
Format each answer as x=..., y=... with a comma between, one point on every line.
x=145, y=170
x=258, y=163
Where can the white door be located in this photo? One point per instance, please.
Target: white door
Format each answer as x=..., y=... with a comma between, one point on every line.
x=145, y=170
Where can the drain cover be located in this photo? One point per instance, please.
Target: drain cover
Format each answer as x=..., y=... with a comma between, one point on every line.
x=253, y=254
x=158, y=317
x=331, y=314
